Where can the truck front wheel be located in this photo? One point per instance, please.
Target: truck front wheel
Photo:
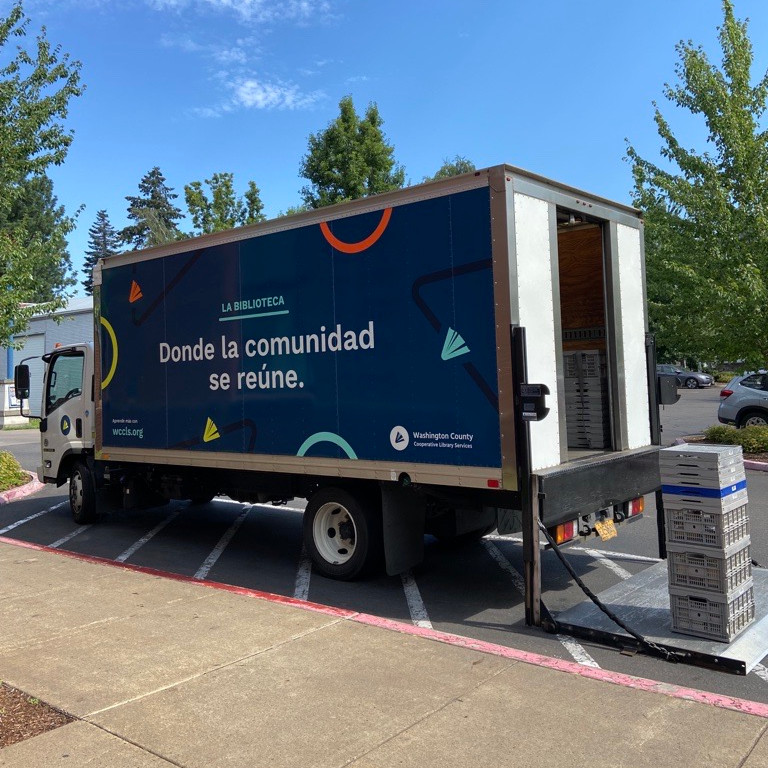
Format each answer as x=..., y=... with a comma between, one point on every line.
x=82, y=494
x=341, y=535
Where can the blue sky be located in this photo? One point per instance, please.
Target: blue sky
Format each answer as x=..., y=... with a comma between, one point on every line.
x=200, y=86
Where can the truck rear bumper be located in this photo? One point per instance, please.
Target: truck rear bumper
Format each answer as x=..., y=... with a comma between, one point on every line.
x=585, y=486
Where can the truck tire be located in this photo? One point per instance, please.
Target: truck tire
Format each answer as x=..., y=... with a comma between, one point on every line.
x=82, y=494
x=342, y=536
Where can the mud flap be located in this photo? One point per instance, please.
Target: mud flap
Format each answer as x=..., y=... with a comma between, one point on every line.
x=403, y=514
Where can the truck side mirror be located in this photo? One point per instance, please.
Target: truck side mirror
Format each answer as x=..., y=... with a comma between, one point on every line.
x=21, y=382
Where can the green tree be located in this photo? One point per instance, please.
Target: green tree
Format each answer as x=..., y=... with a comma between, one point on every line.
x=453, y=167
x=223, y=209
x=706, y=212
x=42, y=222
x=103, y=242
x=36, y=87
x=293, y=210
x=152, y=212
x=351, y=158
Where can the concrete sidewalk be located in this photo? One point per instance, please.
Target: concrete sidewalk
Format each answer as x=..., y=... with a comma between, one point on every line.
x=164, y=671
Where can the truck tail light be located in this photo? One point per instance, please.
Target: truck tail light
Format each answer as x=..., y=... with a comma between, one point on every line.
x=565, y=531
x=726, y=392
x=636, y=507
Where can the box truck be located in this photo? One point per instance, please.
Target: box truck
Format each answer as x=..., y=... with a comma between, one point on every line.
x=436, y=359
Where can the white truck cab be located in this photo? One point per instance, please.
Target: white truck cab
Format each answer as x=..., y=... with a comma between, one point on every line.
x=66, y=418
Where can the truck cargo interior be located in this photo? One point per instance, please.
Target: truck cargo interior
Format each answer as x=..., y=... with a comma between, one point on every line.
x=583, y=316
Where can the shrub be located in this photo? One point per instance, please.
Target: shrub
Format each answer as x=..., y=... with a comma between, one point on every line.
x=11, y=473
x=751, y=439
x=723, y=377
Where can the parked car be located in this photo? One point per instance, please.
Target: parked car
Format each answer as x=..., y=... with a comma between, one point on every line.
x=745, y=401
x=685, y=378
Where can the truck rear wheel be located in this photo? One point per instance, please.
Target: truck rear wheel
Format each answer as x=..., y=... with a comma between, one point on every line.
x=342, y=536
x=82, y=494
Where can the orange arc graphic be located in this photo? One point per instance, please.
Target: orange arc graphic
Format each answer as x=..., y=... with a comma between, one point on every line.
x=340, y=245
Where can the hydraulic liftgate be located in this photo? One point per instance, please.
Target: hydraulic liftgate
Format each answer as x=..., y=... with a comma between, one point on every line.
x=529, y=491
x=641, y=603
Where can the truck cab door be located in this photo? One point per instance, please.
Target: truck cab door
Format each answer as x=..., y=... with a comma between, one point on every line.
x=66, y=427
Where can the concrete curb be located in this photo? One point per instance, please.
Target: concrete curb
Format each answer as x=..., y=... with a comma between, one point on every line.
x=670, y=690
x=33, y=486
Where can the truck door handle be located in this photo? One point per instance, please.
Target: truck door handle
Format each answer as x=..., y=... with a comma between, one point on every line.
x=78, y=427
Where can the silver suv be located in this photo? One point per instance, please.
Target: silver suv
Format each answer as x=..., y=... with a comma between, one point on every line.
x=745, y=401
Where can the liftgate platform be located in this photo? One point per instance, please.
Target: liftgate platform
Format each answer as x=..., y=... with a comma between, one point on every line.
x=642, y=603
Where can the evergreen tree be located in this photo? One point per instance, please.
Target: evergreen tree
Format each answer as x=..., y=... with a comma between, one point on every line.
x=349, y=159
x=152, y=212
x=223, y=209
x=453, y=167
x=706, y=213
x=103, y=242
x=36, y=87
x=41, y=222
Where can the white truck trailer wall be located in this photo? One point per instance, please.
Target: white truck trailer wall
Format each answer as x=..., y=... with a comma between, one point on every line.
x=535, y=285
x=633, y=336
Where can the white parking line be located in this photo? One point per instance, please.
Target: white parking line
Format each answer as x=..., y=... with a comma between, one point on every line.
x=31, y=517
x=65, y=539
x=222, y=500
x=603, y=559
x=217, y=551
x=619, y=555
x=303, y=575
x=416, y=607
x=121, y=558
x=576, y=650
x=611, y=555
x=505, y=565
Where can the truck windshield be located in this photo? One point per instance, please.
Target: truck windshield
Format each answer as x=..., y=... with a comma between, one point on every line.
x=65, y=380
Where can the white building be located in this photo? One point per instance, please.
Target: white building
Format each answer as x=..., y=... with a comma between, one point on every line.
x=72, y=324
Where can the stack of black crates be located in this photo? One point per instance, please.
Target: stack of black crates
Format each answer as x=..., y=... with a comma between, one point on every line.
x=586, y=399
x=708, y=546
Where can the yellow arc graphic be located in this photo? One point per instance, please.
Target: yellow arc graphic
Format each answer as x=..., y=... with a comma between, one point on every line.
x=113, y=339
x=211, y=431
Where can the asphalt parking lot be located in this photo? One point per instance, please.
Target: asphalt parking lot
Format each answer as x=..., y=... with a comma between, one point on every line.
x=472, y=591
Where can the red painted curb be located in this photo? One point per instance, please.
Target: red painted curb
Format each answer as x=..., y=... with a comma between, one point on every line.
x=616, y=678
x=269, y=596
x=33, y=486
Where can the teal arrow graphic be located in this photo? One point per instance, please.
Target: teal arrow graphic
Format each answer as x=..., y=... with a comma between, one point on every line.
x=453, y=346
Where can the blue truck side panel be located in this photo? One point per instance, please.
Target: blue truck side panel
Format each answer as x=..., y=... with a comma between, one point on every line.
x=372, y=337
